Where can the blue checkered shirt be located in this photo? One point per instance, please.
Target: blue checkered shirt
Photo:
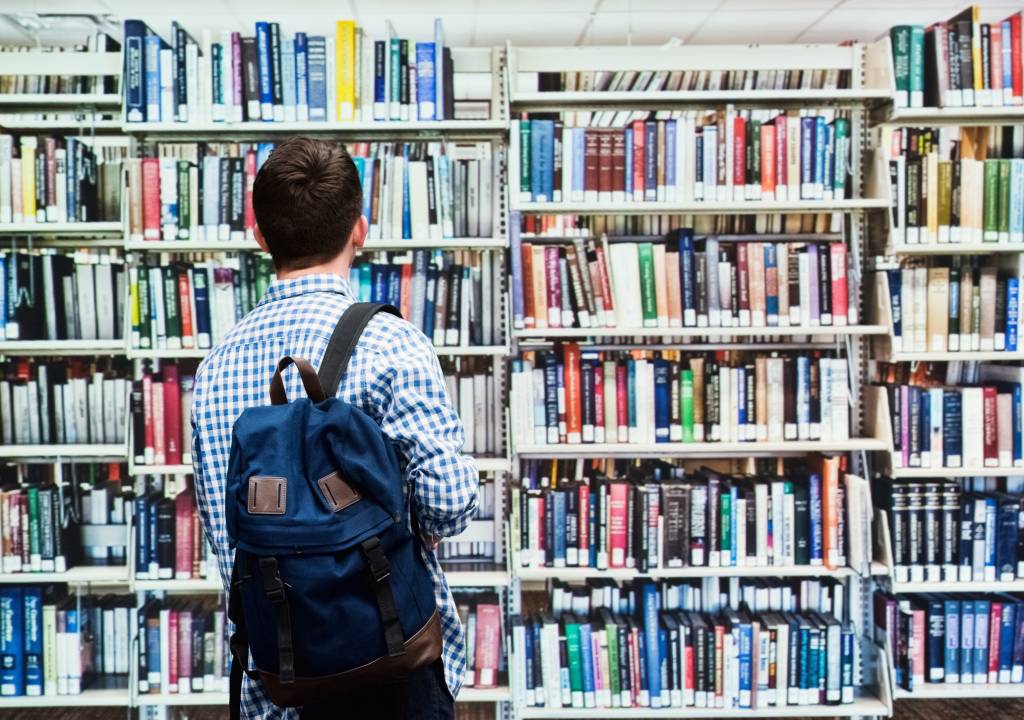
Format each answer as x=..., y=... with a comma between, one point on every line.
x=394, y=376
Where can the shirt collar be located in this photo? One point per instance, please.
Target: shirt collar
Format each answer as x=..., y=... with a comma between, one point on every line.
x=320, y=282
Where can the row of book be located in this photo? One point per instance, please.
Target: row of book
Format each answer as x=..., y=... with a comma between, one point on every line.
x=941, y=531
x=54, y=179
x=462, y=553
x=481, y=616
x=718, y=156
x=473, y=392
x=413, y=190
x=73, y=401
x=646, y=651
x=955, y=305
x=53, y=294
x=59, y=644
x=959, y=427
x=169, y=539
x=34, y=84
x=679, y=282
x=182, y=646
x=449, y=295
x=678, y=520
x=974, y=640
x=958, y=62
x=953, y=184
x=574, y=395
x=273, y=78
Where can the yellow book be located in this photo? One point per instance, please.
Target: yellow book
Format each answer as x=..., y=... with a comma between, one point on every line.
x=345, y=69
x=28, y=179
x=932, y=233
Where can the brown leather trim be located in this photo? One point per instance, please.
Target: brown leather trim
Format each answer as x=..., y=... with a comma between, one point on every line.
x=267, y=495
x=310, y=381
x=421, y=649
x=338, y=493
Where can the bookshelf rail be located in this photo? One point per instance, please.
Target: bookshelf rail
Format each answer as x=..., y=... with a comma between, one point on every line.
x=556, y=100
x=699, y=450
x=82, y=124
x=750, y=207
x=220, y=699
x=44, y=101
x=99, y=575
x=950, y=691
x=57, y=453
x=483, y=464
x=947, y=472
x=929, y=116
x=423, y=129
x=958, y=586
x=577, y=574
x=861, y=706
x=982, y=248
x=104, y=697
x=371, y=245
x=62, y=347
x=970, y=356
x=68, y=229
x=198, y=353
x=695, y=332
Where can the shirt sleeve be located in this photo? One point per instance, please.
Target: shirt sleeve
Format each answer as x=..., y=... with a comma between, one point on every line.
x=419, y=416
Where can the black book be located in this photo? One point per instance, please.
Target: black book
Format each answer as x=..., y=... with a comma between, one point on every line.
x=815, y=393
x=824, y=282
x=751, y=504
x=138, y=423
x=963, y=35
x=675, y=509
x=403, y=75
x=950, y=522
x=1000, y=314
x=179, y=41
x=588, y=408
x=172, y=302
x=986, y=56
x=932, y=525
x=165, y=536
x=801, y=524
x=200, y=618
x=224, y=191
x=572, y=518
x=276, y=87
x=449, y=80
x=250, y=77
x=41, y=176
x=549, y=529
x=915, y=524
x=237, y=218
x=454, y=310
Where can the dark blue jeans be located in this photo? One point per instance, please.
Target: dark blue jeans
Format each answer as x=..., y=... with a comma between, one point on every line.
x=423, y=695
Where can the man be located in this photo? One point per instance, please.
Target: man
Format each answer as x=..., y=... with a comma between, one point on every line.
x=308, y=207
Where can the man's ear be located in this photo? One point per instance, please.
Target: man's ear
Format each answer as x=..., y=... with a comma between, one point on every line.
x=260, y=240
x=357, y=238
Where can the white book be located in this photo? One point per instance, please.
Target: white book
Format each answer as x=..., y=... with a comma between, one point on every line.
x=624, y=265
x=104, y=298
x=972, y=400
x=167, y=102
x=418, y=205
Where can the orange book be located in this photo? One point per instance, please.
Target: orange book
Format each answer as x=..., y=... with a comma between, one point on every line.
x=573, y=394
x=830, y=511
x=768, y=161
x=674, y=299
x=540, y=287
x=528, y=311
x=186, y=302
x=405, y=291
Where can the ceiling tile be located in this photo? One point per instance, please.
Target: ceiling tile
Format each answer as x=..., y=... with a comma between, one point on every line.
x=640, y=6
x=778, y=26
x=642, y=28
x=525, y=29
x=843, y=24
x=733, y=5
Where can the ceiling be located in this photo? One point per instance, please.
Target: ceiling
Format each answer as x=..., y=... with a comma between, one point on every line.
x=525, y=22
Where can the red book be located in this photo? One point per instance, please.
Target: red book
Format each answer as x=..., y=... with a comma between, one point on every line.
x=618, y=523
x=1015, y=55
x=590, y=164
x=604, y=277
x=598, y=403
x=584, y=524
x=638, y=160
x=573, y=394
x=149, y=443
x=604, y=165
x=406, y=291
x=250, y=178
x=159, y=424
x=185, y=651
x=151, y=198
x=172, y=651
x=995, y=621
x=837, y=251
x=618, y=140
x=488, y=644
x=172, y=414
x=185, y=300
x=742, y=283
x=767, y=160
x=554, y=285
x=633, y=641
x=781, y=171
x=51, y=176
x=621, y=402
x=183, y=519
x=529, y=312
x=739, y=153
x=996, y=61
x=990, y=432
x=688, y=668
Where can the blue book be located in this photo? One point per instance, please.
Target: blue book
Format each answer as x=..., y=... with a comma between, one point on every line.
x=951, y=651
x=629, y=163
x=967, y=642
x=263, y=60
x=1018, y=439
x=991, y=515
x=406, y=202
x=746, y=650
x=528, y=657
x=982, y=609
x=578, y=161
x=587, y=662
x=12, y=640
x=426, y=91
x=301, y=76
x=924, y=423
x=895, y=283
x=288, y=94
x=687, y=276
x=935, y=651
x=592, y=519
x=1016, y=200
x=516, y=261
x=142, y=538
x=741, y=400
x=34, y=641
x=663, y=671
x=558, y=511
x=71, y=166
x=542, y=157
x=807, y=158
x=263, y=151
x=631, y=394
x=135, y=32
x=650, y=161
x=814, y=492
x=650, y=615
x=952, y=435
x=3, y=296
x=1017, y=672
x=317, y=52
x=1007, y=632
x=1012, y=312
x=152, y=45
x=820, y=150
x=380, y=82
x=395, y=286
x=1007, y=515
x=829, y=153
x=846, y=677
x=154, y=567
x=661, y=401
x=771, y=301
x=364, y=284
x=670, y=156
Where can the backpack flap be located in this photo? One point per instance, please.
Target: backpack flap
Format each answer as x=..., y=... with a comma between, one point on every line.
x=307, y=477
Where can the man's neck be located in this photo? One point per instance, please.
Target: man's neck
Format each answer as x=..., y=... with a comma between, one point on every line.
x=338, y=266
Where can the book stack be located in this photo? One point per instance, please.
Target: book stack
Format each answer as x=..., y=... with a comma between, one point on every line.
x=56, y=644
x=680, y=282
x=73, y=401
x=102, y=505
x=956, y=305
x=427, y=190
x=667, y=645
x=971, y=640
x=179, y=303
x=961, y=62
x=27, y=84
x=182, y=647
x=169, y=542
x=480, y=613
x=675, y=519
x=472, y=391
x=943, y=531
x=725, y=155
x=50, y=294
x=455, y=552
x=938, y=426
x=957, y=184
x=161, y=402
x=690, y=80
x=449, y=295
x=268, y=77
x=572, y=395
x=53, y=179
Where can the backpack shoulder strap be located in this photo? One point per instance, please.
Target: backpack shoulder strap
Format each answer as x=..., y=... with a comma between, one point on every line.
x=343, y=342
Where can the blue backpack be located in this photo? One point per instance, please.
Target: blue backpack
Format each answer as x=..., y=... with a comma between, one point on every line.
x=329, y=590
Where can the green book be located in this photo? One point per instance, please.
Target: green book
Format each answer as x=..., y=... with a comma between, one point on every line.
x=34, y=543
x=172, y=312
x=954, y=300
x=841, y=127
x=754, y=154
x=990, y=206
x=525, y=191
x=612, y=631
x=572, y=645
x=686, y=404
x=945, y=199
x=145, y=328
x=899, y=38
x=726, y=527
x=1004, y=200
x=648, y=294
x=916, y=67
x=184, y=206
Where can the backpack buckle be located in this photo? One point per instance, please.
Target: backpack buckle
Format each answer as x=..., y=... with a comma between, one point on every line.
x=377, y=560
x=272, y=585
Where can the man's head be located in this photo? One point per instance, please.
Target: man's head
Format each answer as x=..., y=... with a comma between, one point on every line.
x=308, y=203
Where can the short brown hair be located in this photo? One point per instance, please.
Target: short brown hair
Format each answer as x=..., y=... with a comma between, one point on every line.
x=306, y=198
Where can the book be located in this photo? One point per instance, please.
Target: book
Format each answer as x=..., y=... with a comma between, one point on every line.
x=182, y=646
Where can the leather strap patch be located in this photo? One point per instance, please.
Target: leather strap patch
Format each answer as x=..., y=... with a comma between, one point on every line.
x=267, y=495
x=338, y=493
